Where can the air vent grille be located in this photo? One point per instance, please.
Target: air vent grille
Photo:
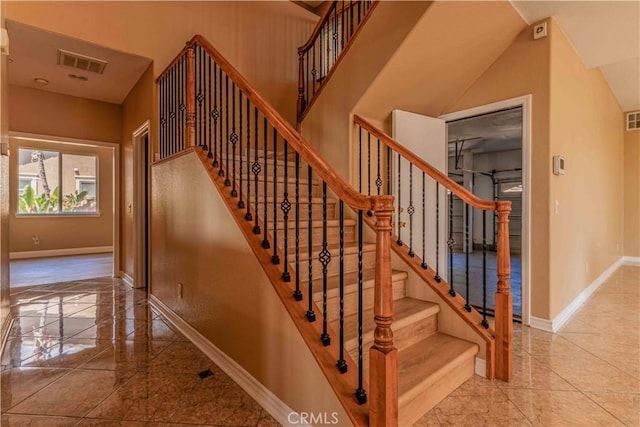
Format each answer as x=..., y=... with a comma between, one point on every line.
x=633, y=120
x=81, y=62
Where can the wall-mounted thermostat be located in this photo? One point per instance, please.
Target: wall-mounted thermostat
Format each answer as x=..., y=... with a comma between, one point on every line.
x=558, y=165
x=540, y=30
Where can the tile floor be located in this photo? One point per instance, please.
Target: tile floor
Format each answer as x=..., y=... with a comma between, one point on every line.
x=39, y=271
x=588, y=374
x=93, y=353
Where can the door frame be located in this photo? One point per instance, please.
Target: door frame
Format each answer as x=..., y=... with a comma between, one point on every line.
x=140, y=163
x=526, y=103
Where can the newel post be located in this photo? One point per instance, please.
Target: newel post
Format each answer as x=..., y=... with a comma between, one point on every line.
x=383, y=356
x=503, y=301
x=301, y=102
x=190, y=129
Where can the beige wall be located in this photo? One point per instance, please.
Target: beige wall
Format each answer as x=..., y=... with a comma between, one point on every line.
x=136, y=110
x=260, y=39
x=63, y=231
x=524, y=69
x=227, y=296
x=4, y=189
x=632, y=193
x=46, y=113
x=586, y=235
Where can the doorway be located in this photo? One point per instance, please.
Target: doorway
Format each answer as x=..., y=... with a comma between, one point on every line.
x=141, y=162
x=488, y=152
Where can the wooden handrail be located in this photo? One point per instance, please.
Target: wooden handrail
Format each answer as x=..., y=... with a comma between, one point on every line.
x=434, y=173
x=320, y=167
x=316, y=31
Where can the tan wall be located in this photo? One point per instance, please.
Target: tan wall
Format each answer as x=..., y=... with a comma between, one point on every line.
x=521, y=70
x=586, y=236
x=47, y=113
x=4, y=188
x=226, y=296
x=632, y=193
x=260, y=39
x=136, y=109
x=63, y=231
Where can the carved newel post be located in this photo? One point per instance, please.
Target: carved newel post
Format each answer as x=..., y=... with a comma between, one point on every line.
x=503, y=300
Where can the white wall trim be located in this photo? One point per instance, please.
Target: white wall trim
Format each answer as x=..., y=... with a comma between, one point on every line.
x=60, y=252
x=631, y=259
x=269, y=401
x=526, y=102
x=481, y=367
x=558, y=322
x=126, y=278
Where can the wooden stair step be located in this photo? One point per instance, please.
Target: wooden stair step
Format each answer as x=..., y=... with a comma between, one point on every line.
x=333, y=268
x=316, y=224
x=334, y=249
x=429, y=370
x=406, y=313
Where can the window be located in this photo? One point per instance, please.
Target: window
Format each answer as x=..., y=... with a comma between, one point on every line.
x=633, y=121
x=511, y=187
x=50, y=182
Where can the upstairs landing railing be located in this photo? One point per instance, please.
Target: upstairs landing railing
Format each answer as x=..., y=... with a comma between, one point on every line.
x=329, y=41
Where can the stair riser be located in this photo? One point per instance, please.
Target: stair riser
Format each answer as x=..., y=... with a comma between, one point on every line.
x=316, y=189
x=351, y=300
x=333, y=268
x=403, y=337
x=316, y=211
x=291, y=168
x=333, y=236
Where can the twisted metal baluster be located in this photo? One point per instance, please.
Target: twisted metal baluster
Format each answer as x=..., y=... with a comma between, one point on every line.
x=248, y=215
x=297, y=294
x=325, y=259
x=240, y=200
x=286, y=207
x=256, y=169
x=311, y=315
x=467, y=306
x=424, y=226
x=234, y=140
x=275, y=259
x=265, y=211
x=437, y=277
x=411, y=210
x=361, y=395
x=341, y=364
x=207, y=115
x=227, y=182
x=215, y=115
x=484, y=270
x=451, y=243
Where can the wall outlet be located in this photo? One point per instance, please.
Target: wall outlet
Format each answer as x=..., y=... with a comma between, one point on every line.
x=36, y=240
x=180, y=287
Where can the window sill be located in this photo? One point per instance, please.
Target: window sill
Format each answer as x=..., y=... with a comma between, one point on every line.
x=61, y=215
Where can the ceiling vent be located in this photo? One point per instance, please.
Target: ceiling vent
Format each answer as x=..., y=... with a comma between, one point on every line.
x=81, y=62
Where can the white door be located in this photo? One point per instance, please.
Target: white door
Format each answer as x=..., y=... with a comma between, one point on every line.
x=426, y=138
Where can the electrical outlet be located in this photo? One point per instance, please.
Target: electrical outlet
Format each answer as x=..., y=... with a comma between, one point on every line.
x=36, y=240
x=180, y=290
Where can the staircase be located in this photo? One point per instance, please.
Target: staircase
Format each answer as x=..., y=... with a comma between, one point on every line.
x=326, y=248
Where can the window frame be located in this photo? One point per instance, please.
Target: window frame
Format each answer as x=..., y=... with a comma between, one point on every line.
x=60, y=213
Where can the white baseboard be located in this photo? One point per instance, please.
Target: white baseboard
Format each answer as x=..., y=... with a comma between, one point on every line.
x=269, y=401
x=481, y=367
x=632, y=259
x=126, y=279
x=562, y=318
x=60, y=252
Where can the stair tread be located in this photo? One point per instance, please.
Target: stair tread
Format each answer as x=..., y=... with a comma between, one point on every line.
x=333, y=248
x=405, y=311
x=316, y=223
x=436, y=353
x=351, y=282
x=303, y=200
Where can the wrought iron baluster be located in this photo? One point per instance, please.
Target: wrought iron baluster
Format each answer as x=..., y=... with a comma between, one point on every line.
x=424, y=226
x=360, y=161
x=360, y=393
x=248, y=215
x=286, y=207
x=389, y=170
x=411, y=210
x=172, y=113
x=437, y=277
x=341, y=364
x=467, y=306
x=227, y=182
x=275, y=259
x=297, y=294
x=163, y=120
x=378, y=179
x=484, y=270
x=201, y=99
x=234, y=140
x=369, y=166
x=255, y=169
x=451, y=243
x=208, y=115
x=314, y=72
x=215, y=115
x=399, y=241
x=311, y=315
x=265, y=210
x=223, y=165
x=325, y=259
x=240, y=200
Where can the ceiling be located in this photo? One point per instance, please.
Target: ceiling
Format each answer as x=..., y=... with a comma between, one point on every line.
x=34, y=54
x=488, y=133
x=605, y=34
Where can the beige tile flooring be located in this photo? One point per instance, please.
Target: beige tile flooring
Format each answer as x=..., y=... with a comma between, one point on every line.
x=39, y=271
x=93, y=353
x=588, y=374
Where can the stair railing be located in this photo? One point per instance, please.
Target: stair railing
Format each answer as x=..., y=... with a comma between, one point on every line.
x=277, y=188
x=338, y=25
x=393, y=169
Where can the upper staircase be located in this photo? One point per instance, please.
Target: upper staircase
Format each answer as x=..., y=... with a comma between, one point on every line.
x=327, y=248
